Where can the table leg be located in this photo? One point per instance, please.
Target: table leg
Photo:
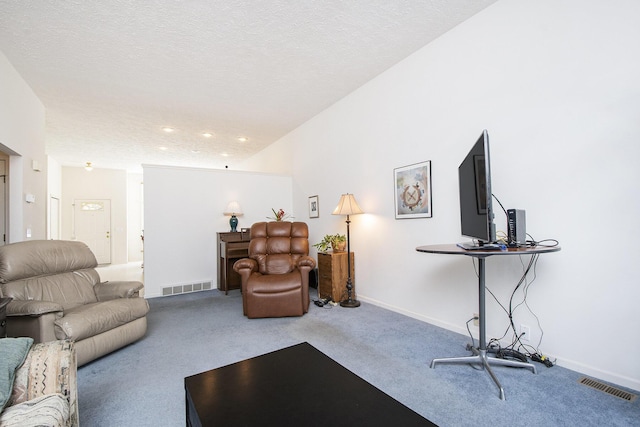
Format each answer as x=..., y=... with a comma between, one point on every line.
x=480, y=354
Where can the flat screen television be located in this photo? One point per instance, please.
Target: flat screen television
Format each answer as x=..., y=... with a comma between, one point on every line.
x=474, y=180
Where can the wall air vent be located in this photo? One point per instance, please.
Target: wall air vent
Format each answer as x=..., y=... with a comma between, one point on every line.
x=187, y=288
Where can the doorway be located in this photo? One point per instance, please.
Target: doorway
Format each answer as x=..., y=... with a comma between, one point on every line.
x=92, y=225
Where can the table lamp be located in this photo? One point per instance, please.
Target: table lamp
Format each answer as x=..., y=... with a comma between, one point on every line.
x=233, y=209
x=348, y=206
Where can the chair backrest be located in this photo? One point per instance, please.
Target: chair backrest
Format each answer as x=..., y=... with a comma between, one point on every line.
x=278, y=245
x=52, y=270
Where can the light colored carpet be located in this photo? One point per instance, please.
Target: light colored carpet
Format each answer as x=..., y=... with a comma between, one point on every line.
x=143, y=384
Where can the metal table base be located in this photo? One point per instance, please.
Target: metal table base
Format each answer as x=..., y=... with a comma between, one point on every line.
x=480, y=358
x=480, y=354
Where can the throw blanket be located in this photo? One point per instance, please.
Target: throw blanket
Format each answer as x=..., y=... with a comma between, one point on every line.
x=13, y=351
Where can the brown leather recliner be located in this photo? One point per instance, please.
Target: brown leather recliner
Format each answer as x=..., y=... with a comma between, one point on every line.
x=275, y=277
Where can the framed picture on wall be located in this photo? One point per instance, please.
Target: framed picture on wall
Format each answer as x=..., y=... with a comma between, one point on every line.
x=314, y=208
x=412, y=191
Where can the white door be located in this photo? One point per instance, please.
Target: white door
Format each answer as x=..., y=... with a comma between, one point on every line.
x=54, y=218
x=92, y=225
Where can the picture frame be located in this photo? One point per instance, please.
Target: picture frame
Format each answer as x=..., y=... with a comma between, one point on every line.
x=412, y=191
x=314, y=207
x=245, y=233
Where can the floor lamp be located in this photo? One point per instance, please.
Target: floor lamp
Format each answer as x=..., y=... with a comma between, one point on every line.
x=348, y=206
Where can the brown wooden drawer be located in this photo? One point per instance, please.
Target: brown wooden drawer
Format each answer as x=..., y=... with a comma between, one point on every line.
x=237, y=249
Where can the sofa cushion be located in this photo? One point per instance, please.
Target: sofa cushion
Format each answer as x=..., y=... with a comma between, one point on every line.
x=50, y=368
x=69, y=289
x=13, y=351
x=48, y=410
x=93, y=319
x=274, y=284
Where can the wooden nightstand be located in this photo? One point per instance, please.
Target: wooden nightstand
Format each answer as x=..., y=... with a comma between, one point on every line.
x=332, y=275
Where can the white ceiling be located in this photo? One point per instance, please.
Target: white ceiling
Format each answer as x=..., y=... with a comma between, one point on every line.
x=111, y=74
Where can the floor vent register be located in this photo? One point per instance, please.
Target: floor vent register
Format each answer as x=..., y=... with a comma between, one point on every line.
x=613, y=391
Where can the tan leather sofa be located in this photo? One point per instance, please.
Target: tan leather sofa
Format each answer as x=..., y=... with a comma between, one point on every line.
x=57, y=295
x=275, y=277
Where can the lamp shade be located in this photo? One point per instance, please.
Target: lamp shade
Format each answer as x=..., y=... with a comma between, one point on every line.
x=347, y=206
x=233, y=208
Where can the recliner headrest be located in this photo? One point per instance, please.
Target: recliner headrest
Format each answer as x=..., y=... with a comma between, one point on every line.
x=34, y=258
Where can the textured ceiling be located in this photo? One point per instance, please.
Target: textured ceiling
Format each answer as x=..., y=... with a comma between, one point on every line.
x=111, y=74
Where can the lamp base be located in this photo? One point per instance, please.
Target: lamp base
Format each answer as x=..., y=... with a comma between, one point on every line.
x=233, y=223
x=350, y=303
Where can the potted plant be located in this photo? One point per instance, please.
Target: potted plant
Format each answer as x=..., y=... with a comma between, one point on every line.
x=280, y=215
x=337, y=242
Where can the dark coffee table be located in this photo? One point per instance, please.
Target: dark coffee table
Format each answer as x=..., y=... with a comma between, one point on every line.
x=298, y=386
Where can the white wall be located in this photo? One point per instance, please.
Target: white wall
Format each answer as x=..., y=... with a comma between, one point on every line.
x=556, y=84
x=183, y=211
x=22, y=119
x=108, y=184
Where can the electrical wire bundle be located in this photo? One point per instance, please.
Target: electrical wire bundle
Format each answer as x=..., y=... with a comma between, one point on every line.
x=517, y=349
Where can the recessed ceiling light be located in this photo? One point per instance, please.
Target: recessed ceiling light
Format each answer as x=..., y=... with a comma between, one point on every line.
x=168, y=129
x=224, y=154
x=207, y=135
x=163, y=148
x=243, y=139
x=195, y=151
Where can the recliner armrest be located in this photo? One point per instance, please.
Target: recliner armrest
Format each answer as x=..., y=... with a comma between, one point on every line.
x=106, y=291
x=306, y=262
x=32, y=308
x=245, y=264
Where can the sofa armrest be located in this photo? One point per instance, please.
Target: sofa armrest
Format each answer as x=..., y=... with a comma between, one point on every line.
x=32, y=308
x=106, y=291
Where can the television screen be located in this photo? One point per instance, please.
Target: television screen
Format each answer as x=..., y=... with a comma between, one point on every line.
x=476, y=211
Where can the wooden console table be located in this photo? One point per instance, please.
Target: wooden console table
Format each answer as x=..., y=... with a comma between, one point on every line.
x=480, y=354
x=332, y=276
x=232, y=246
